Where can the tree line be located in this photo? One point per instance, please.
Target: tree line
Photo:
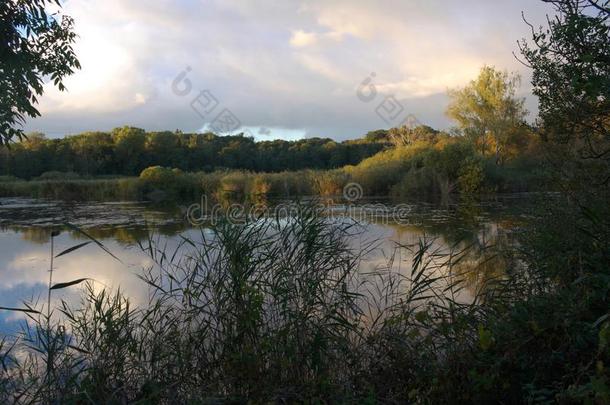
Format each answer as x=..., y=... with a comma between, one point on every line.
x=488, y=116
x=127, y=151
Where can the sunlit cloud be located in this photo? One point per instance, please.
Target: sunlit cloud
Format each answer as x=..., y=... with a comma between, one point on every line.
x=290, y=65
x=301, y=38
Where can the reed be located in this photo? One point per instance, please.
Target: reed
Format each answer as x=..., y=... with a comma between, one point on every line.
x=279, y=310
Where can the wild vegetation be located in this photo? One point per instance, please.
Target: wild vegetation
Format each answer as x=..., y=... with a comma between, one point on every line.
x=272, y=311
x=127, y=151
x=492, y=150
x=277, y=311
x=410, y=162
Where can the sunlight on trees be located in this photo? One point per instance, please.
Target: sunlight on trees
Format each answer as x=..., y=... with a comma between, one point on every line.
x=488, y=112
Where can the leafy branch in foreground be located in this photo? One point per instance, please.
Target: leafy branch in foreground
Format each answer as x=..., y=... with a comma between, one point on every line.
x=35, y=44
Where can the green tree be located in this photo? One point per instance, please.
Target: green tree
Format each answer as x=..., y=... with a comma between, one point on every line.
x=405, y=135
x=571, y=77
x=238, y=153
x=378, y=135
x=163, y=149
x=487, y=110
x=35, y=140
x=94, y=153
x=33, y=45
x=129, y=145
x=34, y=155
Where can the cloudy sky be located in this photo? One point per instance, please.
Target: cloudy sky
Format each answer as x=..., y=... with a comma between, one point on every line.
x=279, y=69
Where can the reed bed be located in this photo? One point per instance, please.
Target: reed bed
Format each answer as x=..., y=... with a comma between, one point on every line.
x=280, y=311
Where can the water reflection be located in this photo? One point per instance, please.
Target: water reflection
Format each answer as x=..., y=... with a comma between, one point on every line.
x=26, y=225
x=24, y=267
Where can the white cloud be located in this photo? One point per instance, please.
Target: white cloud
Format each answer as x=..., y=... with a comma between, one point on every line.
x=29, y=269
x=292, y=65
x=321, y=66
x=301, y=38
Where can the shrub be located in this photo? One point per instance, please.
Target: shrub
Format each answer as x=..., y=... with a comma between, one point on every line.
x=417, y=183
x=233, y=187
x=290, y=184
x=157, y=175
x=471, y=176
x=330, y=183
x=380, y=172
x=210, y=182
x=161, y=183
x=519, y=175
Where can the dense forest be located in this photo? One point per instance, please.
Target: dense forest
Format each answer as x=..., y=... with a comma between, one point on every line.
x=127, y=151
x=401, y=162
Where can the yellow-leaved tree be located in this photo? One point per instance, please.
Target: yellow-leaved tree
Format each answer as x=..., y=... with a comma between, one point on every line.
x=488, y=111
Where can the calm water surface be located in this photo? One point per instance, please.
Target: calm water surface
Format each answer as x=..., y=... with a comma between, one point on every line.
x=26, y=225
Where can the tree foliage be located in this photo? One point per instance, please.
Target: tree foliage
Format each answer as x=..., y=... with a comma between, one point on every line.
x=35, y=46
x=128, y=150
x=406, y=135
x=570, y=59
x=487, y=110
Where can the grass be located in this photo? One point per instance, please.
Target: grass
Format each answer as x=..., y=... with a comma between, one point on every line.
x=79, y=189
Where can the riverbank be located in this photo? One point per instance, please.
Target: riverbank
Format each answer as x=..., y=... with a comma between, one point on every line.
x=422, y=170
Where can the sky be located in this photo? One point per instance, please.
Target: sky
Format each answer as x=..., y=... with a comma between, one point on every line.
x=280, y=69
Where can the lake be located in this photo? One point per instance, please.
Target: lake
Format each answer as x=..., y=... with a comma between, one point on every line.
x=26, y=225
